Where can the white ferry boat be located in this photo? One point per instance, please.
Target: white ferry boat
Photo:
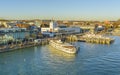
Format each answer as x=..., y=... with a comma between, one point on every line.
x=65, y=47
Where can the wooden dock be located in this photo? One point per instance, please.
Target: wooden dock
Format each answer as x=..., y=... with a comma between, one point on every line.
x=93, y=39
x=96, y=40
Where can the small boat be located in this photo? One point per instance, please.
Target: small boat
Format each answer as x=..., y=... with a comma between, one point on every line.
x=65, y=47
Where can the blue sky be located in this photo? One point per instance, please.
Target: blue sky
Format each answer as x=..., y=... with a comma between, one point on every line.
x=60, y=9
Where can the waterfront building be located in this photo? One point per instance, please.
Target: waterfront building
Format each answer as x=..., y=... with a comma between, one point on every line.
x=5, y=38
x=16, y=33
x=54, y=28
x=50, y=28
x=67, y=30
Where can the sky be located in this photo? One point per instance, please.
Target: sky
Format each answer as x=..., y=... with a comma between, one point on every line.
x=60, y=9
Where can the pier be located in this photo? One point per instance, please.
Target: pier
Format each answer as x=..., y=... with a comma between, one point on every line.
x=98, y=39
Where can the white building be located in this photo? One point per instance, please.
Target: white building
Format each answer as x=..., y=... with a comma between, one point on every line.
x=67, y=30
x=51, y=27
x=16, y=33
x=54, y=28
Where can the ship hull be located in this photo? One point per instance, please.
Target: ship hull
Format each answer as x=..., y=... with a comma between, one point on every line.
x=65, y=47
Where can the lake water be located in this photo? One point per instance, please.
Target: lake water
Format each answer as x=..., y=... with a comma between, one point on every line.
x=92, y=59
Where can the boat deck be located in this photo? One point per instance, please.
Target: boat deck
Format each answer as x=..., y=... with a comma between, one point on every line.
x=66, y=45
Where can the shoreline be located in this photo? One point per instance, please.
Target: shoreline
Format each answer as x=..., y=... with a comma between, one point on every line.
x=16, y=47
x=7, y=48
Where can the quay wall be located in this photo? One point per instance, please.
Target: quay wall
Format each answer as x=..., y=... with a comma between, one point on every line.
x=6, y=48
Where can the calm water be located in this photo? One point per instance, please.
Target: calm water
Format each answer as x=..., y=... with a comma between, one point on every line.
x=91, y=59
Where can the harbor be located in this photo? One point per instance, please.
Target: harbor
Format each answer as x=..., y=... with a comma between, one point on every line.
x=17, y=37
x=92, y=59
x=59, y=37
x=88, y=38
